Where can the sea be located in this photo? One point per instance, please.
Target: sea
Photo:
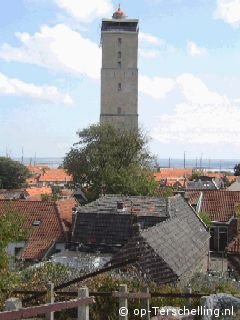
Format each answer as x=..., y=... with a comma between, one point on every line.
x=205, y=164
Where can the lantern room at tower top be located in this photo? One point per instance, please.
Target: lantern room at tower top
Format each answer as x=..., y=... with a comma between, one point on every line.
x=120, y=22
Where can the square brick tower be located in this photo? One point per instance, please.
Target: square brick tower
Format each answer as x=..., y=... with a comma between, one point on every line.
x=119, y=74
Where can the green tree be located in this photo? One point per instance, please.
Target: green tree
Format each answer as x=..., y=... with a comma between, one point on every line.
x=13, y=174
x=237, y=169
x=205, y=218
x=113, y=161
x=11, y=230
x=196, y=174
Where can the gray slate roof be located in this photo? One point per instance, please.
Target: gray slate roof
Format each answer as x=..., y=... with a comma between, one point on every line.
x=140, y=206
x=235, y=186
x=170, y=249
x=100, y=222
x=200, y=185
x=179, y=240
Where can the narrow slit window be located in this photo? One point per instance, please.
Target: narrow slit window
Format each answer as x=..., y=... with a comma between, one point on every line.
x=119, y=64
x=119, y=40
x=119, y=86
x=119, y=54
x=119, y=110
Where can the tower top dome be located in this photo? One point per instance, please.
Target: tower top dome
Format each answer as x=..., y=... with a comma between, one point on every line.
x=119, y=14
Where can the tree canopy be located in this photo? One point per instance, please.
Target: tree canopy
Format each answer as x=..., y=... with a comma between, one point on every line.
x=11, y=230
x=12, y=173
x=237, y=169
x=109, y=160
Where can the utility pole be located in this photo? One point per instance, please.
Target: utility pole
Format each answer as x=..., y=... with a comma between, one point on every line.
x=169, y=163
x=22, y=155
x=184, y=160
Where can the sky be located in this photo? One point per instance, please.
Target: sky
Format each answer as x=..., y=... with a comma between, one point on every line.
x=189, y=74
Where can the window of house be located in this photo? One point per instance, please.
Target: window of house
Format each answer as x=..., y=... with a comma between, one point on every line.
x=119, y=110
x=119, y=64
x=119, y=54
x=119, y=40
x=119, y=86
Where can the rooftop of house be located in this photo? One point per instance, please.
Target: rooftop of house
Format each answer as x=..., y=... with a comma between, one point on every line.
x=37, y=169
x=12, y=193
x=136, y=205
x=180, y=239
x=38, y=191
x=200, y=185
x=220, y=205
x=175, y=173
x=55, y=175
x=65, y=208
x=235, y=186
x=175, y=246
x=43, y=221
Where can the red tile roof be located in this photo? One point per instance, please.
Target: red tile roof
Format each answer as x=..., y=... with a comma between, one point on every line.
x=220, y=205
x=37, y=169
x=37, y=191
x=65, y=207
x=192, y=196
x=175, y=173
x=41, y=236
x=55, y=175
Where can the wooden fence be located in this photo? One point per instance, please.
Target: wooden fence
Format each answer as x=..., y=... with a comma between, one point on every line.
x=83, y=300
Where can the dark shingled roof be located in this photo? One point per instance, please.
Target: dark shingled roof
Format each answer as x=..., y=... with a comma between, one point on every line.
x=100, y=222
x=169, y=249
x=140, y=206
x=179, y=240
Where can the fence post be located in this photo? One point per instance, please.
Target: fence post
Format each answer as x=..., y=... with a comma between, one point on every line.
x=123, y=303
x=145, y=305
x=189, y=290
x=50, y=299
x=83, y=311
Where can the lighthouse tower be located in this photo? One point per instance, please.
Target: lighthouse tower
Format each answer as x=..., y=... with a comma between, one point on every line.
x=119, y=73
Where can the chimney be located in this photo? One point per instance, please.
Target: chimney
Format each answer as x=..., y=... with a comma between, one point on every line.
x=120, y=205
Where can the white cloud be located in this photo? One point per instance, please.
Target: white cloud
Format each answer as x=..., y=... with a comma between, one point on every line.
x=204, y=117
x=16, y=87
x=149, y=38
x=59, y=49
x=195, y=91
x=155, y=87
x=228, y=11
x=86, y=10
x=194, y=50
x=149, y=53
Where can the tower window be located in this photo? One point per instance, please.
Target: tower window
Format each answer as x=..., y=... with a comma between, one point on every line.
x=119, y=40
x=119, y=86
x=119, y=110
x=119, y=64
x=119, y=54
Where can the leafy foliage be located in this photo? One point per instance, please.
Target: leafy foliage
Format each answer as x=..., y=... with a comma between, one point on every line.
x=205, y=218
x=237, y=169
x=112, y=161
x=11, y=230
x=196, y=174
x=13, y=174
